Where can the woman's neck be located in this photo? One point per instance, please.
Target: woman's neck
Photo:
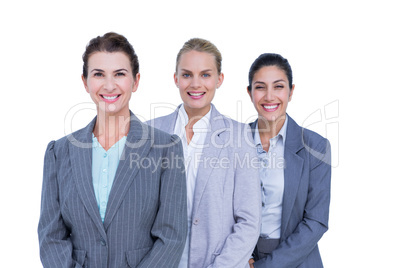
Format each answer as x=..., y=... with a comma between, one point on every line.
x=268, y=130
x=110, y=128
x=194, y=115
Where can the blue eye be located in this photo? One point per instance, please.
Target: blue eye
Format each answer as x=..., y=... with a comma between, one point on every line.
x=98, y=74
x=186, y=75
x=206, y=75
x=120, y=74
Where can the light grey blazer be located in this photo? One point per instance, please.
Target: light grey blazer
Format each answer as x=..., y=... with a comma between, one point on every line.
x=146, y=217
x=227, y=198
x=306, y=199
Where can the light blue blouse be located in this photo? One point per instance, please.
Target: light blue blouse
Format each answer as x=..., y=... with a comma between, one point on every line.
x=272, y=182
x=104, y=166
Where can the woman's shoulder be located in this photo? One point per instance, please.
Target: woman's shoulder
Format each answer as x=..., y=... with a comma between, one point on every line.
x=236, y=133
x=158, y=136
x=157, y=122
x=229, y=122
x=237, y=126
x=55, y=147
x=312, y=137
x=308, y=135
x=61, y=145
x=312, y=141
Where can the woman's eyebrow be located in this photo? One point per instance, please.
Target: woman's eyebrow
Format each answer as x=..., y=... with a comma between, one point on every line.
x=97, y=70
x=185, y=70
x=258, y=82
x=119, y=70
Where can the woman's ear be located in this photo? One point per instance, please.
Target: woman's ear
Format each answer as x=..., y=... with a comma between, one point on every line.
x=176, y=80
x=84, y=80
x=291, y=92
x=136, y=82
x=220, y=80
x=249, y=93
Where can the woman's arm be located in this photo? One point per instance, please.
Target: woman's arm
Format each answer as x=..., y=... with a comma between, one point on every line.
x=293, y=251
x=54, y=243
x=170, y=226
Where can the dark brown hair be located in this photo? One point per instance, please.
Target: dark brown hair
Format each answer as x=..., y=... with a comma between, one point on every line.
x=270, y=59
x=110, y=42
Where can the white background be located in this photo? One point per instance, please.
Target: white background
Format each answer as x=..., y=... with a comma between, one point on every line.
x=346, y=58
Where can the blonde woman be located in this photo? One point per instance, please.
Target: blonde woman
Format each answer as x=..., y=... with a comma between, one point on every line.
x=223, y=196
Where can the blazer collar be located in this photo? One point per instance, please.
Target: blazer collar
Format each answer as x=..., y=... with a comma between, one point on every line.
x=83, y=137
x=293, y=168
x=294, y=141
x=294, y=138
x=80, y=150
x=217, y=121
x=215, y=140
x=138, y=141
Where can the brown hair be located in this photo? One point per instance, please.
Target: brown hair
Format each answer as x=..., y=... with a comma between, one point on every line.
x=201, y=45
x=110, y=42
x=270, y=59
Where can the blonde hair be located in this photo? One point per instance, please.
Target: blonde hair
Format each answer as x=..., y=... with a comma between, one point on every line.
x=201, y=45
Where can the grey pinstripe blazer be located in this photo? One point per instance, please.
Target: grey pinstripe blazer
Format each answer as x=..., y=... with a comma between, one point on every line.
x=145, y=223
x=227, y=198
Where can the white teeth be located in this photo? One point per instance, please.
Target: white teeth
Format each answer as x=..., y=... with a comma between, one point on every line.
x=110, y=98
x=196, y=94
x=270, y=106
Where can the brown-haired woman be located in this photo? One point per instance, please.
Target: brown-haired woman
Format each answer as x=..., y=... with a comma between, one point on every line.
x=295, y=172
x=113, y=194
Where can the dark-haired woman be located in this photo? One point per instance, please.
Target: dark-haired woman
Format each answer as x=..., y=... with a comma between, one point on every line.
x=295, y=172
x=113, y=194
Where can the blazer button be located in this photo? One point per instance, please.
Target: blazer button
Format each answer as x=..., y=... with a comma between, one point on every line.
x=103, y=243
x=196, y=221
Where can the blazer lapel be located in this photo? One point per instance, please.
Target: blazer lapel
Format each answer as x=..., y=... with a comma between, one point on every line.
x=253, y=127
x=214, y=142
x=81, y=163
x=139, y=143
x=293, y=170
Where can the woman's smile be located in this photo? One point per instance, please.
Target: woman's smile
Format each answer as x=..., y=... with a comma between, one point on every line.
x=110, y=98
x=196, y=95
x=270, y=107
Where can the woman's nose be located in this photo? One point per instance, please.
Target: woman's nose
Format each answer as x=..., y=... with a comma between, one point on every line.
x=195, y=82
x=110, y=84
x=269, y=96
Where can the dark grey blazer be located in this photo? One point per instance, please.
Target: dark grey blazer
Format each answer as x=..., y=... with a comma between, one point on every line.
x=146, y=217
x=305, y=201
